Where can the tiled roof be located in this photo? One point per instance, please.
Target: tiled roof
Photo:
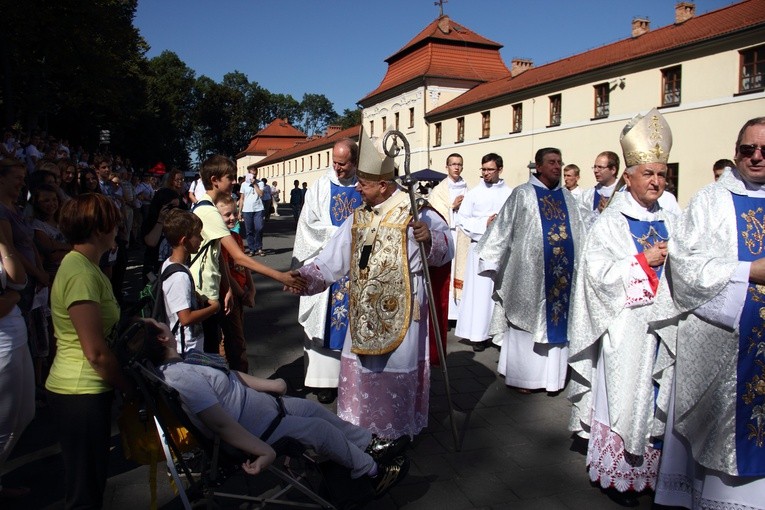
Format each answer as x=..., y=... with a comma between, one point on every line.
x=309, y=146
x=443, y=49
x=279, y=134
x=726, y=20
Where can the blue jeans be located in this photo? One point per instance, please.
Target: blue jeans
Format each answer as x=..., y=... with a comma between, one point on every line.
x=253, y=222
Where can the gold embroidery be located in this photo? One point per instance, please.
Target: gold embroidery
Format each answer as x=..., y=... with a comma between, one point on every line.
x=650, y=238
x=551, y=208
x=342, y=206
x=755, y=231
x=557, y=294
x=755, y=387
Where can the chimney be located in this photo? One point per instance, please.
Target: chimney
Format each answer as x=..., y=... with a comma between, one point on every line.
x=520, y=65
x=331, y=130
x=684, y=11
x=640, y=26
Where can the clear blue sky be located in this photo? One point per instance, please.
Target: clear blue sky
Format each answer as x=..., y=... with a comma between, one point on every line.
x=338, y=47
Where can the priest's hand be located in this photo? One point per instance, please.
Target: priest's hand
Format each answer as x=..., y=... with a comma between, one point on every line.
x=656, y=254
x=421, y=232
x=457, y=202
x=293, y=282
x=491, y=219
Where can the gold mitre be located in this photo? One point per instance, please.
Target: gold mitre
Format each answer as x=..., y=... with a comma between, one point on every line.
x=374, y=164
x=646, y=139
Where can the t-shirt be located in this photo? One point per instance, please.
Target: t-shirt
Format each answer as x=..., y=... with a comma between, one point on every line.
x=201, y=387
x=252, y=201
x=198, y=188
x=78, y=279
x=206, y=269
x=179, y=294
x=237, y=272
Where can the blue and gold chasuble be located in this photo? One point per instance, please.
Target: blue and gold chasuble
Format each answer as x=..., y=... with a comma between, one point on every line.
x=647, y=233
x=750, y=380
x=558, y=260
x=344, y=200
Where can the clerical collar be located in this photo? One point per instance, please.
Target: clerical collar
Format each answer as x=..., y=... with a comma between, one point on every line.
x=533, y=179
x=635, y=210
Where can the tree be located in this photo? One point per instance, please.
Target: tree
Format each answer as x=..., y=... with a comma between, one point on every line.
x=349, y=118
x=283, y=106
x=317, y=112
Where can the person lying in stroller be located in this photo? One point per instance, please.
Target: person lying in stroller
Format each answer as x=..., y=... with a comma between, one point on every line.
x=241, y=409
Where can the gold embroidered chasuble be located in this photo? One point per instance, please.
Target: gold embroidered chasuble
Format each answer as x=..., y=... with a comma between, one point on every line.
x=381, y=293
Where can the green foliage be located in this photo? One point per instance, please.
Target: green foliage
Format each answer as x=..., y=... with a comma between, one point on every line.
x=74, y=67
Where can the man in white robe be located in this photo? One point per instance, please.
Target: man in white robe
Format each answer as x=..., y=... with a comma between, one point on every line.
x=327, y=204
x=620, y=372
x=477, y=212
x=715, y=455
x=385, y=375
x=446, y=198
x=530, y=250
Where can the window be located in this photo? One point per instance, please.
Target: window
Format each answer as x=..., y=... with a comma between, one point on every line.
x=517, y=117
x=602, y=93
x=310, y=162
x=302, y=164
x=385, y=124
x=318, y=160
x=411, y=117
x=438, y=135
x=485, y=124
x=396, y=117
x=670, y=86
x=371, y=128
x=673, y=179
x=555, y=108
x=329, y=161
x=752, y=69
x=460, y=129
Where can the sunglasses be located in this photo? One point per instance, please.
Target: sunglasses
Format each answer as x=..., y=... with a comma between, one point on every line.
x=748, y=151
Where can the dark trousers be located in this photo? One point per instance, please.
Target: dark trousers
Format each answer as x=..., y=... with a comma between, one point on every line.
x=84, y=427
x=212, y=332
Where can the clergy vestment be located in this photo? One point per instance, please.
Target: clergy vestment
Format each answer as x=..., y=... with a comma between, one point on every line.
x=529, y=249
x=385, y=393
x=324, y=316
x=715, y=455
x=481, y=202
x=442, y=198
x=619, y=367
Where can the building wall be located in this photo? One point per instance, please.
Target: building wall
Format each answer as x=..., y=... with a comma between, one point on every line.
x=704, y=125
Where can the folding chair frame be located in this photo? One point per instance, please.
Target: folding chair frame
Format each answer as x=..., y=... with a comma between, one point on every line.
x=154, y=388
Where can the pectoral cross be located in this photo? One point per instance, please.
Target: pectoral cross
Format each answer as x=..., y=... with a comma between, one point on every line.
x=440, y=4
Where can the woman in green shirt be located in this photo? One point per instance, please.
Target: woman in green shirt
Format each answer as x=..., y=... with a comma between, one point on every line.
x=84, y=371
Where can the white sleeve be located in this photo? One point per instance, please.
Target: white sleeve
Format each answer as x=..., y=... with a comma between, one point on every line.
x=726, y=307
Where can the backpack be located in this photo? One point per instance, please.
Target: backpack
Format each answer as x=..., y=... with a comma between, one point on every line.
x=151, y=299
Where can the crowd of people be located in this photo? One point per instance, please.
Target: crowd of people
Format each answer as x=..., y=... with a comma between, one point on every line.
x=649, y=315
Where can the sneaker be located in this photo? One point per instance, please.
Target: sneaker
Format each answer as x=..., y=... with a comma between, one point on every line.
x=389, y=475
x=479, y=346
x=384, y=450
x=326, y=395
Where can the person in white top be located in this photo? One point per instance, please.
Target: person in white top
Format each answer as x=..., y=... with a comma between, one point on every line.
x=446, y=198
x=477, y=212
x=571, y=180
x=606, y=169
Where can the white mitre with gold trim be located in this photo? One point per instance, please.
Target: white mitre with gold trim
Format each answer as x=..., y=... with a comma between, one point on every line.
x=374, y=164
x=646, y=139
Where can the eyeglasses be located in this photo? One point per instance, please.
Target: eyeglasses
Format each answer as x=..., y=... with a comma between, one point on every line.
x=489, y=169
x=456, y=164
x=598, y=167
x=748, y=150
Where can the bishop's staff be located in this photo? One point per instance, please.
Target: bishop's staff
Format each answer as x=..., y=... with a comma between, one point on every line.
x=408, y=181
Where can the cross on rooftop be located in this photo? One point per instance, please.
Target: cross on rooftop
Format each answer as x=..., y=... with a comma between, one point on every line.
x=440, y=4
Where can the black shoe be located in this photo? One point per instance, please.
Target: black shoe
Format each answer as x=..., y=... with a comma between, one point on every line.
x=389, y=475
x=385, y=450
x=326, y=395
x=479, y=346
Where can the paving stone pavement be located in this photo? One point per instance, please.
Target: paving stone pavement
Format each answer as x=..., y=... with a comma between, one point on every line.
x=515, y=449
